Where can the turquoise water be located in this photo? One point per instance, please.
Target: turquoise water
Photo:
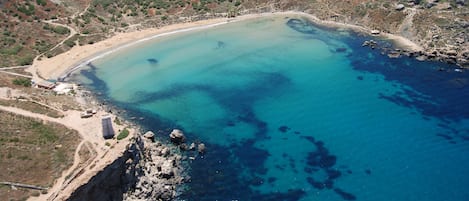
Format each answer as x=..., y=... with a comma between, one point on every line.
x=292, y=111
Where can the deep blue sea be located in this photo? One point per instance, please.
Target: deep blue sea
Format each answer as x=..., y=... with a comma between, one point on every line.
x=293, y=111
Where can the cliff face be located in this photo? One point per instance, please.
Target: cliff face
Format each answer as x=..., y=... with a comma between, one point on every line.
x=112, y=182
x=147, y=171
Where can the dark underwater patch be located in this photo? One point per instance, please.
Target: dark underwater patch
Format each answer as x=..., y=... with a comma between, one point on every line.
x=434, y=93
x=368, y=171
x=96, y=83
x=444, y=136
x=283, y=129
x=220, y=45
x=321, y=159
x=251, y=156
x=344, y=195
x=340, y=49
x=152, y=61
x=301, y=25
x=212, y=179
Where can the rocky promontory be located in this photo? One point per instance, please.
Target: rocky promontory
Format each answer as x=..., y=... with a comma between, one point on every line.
x=148, y=170
x=159, y=172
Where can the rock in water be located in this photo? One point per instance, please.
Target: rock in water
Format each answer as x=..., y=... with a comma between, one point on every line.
x=149, y=135
x=201, y=148
x=192, y=146
x=177, y=137
x=375, y=32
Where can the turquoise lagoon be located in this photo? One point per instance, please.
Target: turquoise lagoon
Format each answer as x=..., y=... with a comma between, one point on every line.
x=290, y=110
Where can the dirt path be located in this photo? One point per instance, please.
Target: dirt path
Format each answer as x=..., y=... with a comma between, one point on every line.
x=70, y=35
x=405, y=29
x=59, y=183
x=90, y=131
x=14, y=67
x=73, y=32
x=16, y=74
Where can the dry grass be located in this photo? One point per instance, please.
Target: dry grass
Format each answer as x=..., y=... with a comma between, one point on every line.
x=86, y=153
x=33, y=107
x=6, y=80
x=33, y=152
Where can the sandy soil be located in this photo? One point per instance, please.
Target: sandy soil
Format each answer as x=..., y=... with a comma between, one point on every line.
x=78, y=56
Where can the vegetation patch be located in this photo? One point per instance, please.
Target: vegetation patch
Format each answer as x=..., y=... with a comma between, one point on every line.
x=33, y=152
x=123, y=134
x=25, y=82
x=57, y=29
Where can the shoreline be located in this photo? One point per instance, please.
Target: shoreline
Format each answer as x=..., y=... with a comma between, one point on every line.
x=62, y=65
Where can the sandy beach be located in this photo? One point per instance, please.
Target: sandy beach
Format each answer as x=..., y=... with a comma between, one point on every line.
x=78, y=56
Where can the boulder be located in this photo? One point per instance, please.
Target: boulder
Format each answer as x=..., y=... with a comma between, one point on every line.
x=429, y=5
x=177, y=137
x=183, y=146
x=165, y=152
x=192, y=146
x=201, y=148
x=461, y=2
x=400, y=7
x=394, y=54
x=149, y=135
x=167, y=169
x=415, y=2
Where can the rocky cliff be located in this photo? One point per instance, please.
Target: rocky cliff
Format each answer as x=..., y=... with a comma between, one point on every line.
x=146, y=171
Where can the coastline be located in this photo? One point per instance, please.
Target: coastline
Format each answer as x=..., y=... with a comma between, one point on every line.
x=62, y=65
x=66, y=63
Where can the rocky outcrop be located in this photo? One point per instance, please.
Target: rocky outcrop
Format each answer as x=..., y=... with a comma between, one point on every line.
x=160, y=174
x=399, y=7
x=147, y=171
x=201, y=148
x=177, y=137
x=449, y=56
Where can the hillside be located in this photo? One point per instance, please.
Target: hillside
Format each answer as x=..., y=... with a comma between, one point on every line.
x=58, y=25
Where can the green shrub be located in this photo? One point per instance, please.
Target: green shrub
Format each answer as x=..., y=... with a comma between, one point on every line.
x=27, y=9
x=22, y=82
x=11, y=51
x=61, y=30
x=41, y=2
x=117, y=121
x=123, y=134
x=70, y=42
x=57, y=29
x=26, y=60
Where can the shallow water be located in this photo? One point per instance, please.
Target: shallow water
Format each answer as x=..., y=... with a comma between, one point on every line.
x=292, y=111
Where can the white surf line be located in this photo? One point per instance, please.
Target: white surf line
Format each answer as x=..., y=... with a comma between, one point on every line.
x=118, y=48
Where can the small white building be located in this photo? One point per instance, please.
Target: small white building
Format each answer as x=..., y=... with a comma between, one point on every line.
x=63, y=88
